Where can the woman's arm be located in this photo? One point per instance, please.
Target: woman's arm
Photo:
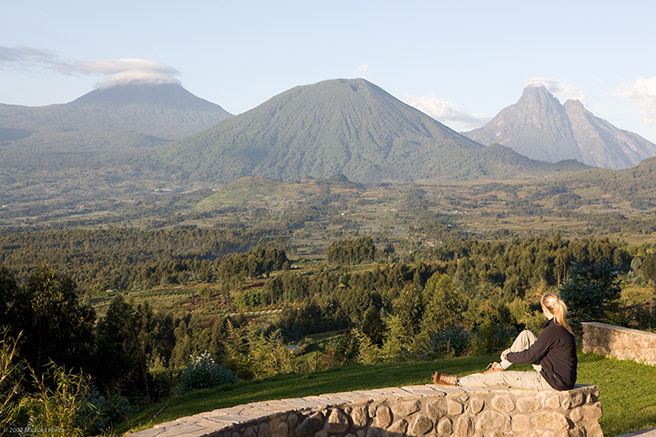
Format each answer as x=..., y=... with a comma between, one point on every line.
x=533, y=354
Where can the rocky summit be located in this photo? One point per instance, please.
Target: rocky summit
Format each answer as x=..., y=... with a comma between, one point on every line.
x=540, y=127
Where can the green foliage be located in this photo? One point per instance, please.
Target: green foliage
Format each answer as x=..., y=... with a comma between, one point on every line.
x=591, y=292
x=128, y=339
x=397, y=342
x=268, y=355
x=453, y=341
x=60, y=396
x=202, y=372
x=490, y=337
x=349, y=252
x=444, y=304
x=99, y=413
x=11, y=376
x=648, y=267
x=55, y=324
x=368, y=352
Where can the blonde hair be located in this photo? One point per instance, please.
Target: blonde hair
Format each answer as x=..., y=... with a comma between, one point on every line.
x=557, y=307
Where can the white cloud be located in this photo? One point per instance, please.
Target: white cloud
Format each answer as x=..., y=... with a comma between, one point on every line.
x=642, y=92
x=446, y=112
x=120, y=71
x=562, y=89
x=360, y=71
x=127, y=70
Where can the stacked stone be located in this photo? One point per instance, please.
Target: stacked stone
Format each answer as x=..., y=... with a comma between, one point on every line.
x=415, y=411
x=618, y=342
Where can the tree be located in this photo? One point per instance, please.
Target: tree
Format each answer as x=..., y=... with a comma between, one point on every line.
x=648, y=267
x=409, y=308
x=55, y=324
x=590, y=292
x=444, y=305
x=373, y=325
x=120, y=356
x=397, y=340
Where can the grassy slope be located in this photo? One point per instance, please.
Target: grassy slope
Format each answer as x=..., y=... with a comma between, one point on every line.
x=627, y=391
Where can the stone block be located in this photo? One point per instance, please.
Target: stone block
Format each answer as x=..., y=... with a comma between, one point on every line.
x=552, y=402
x=503, y=403
x=279, y=428
x=383, y=417
x=577, y=398
x=337, y=422
x=263, y=430
x=405, y=408
x=476, y=405
x=592, y=412
x=550, y=420
x=359, y=416
x=375, y=432
x=464, y=426
x=453, y=407
x=528, y=405
x=492, y=419
x=436, y=409
x=421, y=425
x=520, y=422
x=444, y=426
x=398, y=428
x=292, y=420
x=309, y=425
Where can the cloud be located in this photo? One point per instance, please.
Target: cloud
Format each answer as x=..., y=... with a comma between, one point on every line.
x=127, y=70
x=360, y=71
x=642, y=92
x=25, y=56
x=563, y=89
x=446, y=112
x=119, y=71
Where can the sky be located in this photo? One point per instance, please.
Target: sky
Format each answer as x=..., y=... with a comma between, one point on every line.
x=459, y=61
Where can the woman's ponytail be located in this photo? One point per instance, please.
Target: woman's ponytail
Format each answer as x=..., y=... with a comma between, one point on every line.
x=557, y=307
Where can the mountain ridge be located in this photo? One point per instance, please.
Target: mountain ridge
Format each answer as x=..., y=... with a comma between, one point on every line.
x=539, y=127
x=347, y=126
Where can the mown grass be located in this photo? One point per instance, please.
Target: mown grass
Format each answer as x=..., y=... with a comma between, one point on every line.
x=627, y=390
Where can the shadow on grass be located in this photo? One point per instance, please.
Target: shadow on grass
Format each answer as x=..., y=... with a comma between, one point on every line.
x=356, y=377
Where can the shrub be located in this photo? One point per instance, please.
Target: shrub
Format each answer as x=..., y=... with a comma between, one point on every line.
x=450, y=342
x=202, y=372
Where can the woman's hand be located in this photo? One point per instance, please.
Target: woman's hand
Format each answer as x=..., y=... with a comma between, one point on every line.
x=504, y=353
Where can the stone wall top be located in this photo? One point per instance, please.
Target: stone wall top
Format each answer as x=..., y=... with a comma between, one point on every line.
x=412, y=410
x=620, y=328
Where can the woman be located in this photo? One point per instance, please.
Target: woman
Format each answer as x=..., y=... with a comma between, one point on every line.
x=552, y=354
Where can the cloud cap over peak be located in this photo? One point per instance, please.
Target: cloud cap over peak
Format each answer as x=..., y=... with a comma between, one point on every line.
x=128, y=70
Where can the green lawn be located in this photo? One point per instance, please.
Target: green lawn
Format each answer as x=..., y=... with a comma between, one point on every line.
x=627, y=390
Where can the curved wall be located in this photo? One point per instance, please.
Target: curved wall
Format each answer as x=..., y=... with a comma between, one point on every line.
x=431, y=410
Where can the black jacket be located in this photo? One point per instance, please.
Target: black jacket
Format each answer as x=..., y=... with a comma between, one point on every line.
x=555, y=351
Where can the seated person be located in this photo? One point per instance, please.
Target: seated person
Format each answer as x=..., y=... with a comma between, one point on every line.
x=552, y=354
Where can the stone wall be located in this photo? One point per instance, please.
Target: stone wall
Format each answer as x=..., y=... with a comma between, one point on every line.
x=620, y=343
x=430, y=410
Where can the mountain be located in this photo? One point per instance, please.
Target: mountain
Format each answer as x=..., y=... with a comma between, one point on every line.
x=164, y=111
x=351, y=127
x=604, y=145
x=539, y=127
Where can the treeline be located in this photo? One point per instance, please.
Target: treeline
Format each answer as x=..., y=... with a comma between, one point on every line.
x=126, y=258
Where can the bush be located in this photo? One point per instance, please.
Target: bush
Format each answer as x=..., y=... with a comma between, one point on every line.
x=99, y=414
x=450, y=342
x=202, y=372
x=492, y=337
